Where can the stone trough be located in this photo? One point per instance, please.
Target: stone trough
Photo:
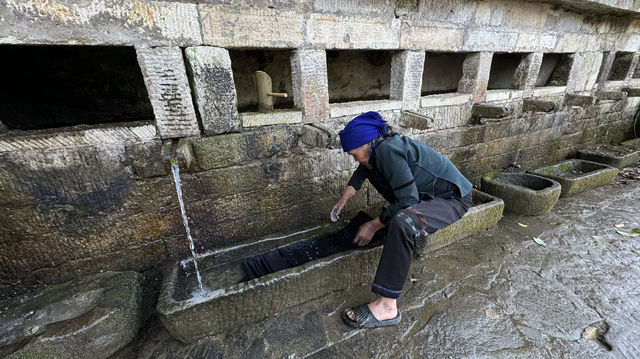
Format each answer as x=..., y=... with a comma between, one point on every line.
x=522, y=193
x=578, y=175
x=228, y=304
x=616, y=156
x=94, y=317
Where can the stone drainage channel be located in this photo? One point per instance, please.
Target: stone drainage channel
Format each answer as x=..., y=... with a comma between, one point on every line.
x=497, y=294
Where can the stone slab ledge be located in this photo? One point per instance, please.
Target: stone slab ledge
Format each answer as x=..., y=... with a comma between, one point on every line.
x=503, y=95
x=277, y=117
x=358, y=107
x=447, y=99
x=549, y=91
x=73, y=139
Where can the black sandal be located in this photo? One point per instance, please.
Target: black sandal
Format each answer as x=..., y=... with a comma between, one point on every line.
x=366, y=319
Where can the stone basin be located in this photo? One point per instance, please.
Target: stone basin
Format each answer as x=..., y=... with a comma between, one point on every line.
x=578, y=175
x=95, y=316
x=522, y=193
x=227, y=303
x=616, y=156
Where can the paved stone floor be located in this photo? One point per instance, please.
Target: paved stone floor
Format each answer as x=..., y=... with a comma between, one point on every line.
x=498, y=294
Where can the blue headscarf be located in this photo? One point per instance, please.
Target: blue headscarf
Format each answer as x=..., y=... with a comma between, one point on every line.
x=362, y=129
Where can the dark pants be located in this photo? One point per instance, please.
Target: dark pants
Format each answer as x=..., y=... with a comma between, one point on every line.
x=424, y=217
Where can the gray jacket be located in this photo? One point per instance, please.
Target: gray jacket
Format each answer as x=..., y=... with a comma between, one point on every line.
x=404, y=171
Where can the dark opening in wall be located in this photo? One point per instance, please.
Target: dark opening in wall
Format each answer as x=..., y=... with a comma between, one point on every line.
x=442, y=72
x=57, y=86
x=503, y=70
x=276, y=63
x=358, y=75
x=621, y=66
x=554, y=70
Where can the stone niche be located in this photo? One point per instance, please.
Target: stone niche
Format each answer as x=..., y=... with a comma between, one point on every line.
x=620, y=67
x=442, y=73
x=358, y=75
x=503, y=71
x=276, y=63
x=554, y=69
x=47, y=86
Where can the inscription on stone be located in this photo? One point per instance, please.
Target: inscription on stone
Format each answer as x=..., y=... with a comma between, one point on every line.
x=166, y=80
x=256, y=28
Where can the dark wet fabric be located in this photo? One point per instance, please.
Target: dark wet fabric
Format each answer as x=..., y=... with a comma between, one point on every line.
x=301, y=252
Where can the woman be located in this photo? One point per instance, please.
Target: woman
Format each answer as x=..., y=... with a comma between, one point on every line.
x=425, y=192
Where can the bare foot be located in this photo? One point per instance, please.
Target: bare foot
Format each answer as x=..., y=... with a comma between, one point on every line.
x=382, y=308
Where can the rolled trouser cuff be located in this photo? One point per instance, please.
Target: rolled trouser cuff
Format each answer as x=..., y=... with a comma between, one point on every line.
x=385, y=292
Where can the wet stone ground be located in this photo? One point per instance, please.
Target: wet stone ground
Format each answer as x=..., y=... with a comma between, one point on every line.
x=498, y=294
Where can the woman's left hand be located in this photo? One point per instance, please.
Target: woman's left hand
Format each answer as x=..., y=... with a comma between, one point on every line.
x=366, y=232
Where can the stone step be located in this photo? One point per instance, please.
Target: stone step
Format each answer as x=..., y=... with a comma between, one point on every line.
x=611, y=95
x=229, y=304
x=410, y=119
x=578, y=100
x=632, y=91
x=536, y=105
x=490, y=111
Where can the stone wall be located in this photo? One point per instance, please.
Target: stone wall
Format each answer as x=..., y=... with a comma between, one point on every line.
x=79, y=200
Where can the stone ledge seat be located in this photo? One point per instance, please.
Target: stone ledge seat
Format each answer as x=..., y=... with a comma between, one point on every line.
x=522, y=193
x=578, y=175
x=227, y=304
x=615, y=156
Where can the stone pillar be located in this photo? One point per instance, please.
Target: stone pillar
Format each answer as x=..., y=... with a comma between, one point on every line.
x=632, y=67
x=215, y=93
x=475, y=75
x=605, y=69
x=310, y=84
x=584, y=71
x=406, y=78
x=166, y=81
x=527, y=73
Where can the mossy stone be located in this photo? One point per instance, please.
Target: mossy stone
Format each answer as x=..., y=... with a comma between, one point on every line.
x=576, y=176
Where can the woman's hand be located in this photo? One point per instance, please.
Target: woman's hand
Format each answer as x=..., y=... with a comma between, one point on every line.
x=366, y=232
x=335, y=212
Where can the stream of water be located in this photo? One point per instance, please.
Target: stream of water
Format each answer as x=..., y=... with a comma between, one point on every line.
x=176, y=178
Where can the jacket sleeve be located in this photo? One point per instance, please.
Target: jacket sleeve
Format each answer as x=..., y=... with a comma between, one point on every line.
x=358, y=177
x=392, y=161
